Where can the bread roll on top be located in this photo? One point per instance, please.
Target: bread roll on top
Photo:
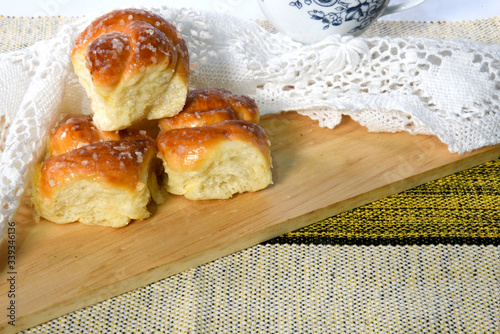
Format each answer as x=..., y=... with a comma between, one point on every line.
x=133, y=65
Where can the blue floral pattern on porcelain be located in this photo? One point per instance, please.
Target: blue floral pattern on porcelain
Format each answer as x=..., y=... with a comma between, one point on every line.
x=337, y=11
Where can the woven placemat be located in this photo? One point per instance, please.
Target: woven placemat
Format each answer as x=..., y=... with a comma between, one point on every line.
x=463, y=208
x=485, y=31
x=424, y=260
x=20, y=32
x=311, y=289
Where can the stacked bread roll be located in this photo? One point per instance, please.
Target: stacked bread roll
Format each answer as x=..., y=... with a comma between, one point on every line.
x=97, y=177
x=135, y=66
x=214, y=148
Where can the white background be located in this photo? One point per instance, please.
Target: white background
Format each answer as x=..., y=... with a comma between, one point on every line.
x=431, y=10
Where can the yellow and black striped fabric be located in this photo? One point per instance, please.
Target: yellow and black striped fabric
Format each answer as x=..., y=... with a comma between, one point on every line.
x=463, y=208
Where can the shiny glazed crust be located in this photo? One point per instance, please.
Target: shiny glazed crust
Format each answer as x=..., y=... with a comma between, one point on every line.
x=134, y=65
x=97, y=177
x=212, y=105
x=216, y=161
x=188, y=149
x=79, y=132
x=116, y=163
x=105, y=183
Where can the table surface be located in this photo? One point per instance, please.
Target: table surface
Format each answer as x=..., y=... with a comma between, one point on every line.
x=431, y=10
x=427, y=259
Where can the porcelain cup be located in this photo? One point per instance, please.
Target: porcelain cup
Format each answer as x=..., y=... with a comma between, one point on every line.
x=310, y=21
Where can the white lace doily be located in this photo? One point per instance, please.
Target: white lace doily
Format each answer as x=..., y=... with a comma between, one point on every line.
x=448, y=88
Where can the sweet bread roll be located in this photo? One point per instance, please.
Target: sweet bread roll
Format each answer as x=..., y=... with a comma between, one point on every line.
x=97, y=177
x=212, y=105
x=79, y=132
x=216, y=161
x=105, y=183
x=133, y=65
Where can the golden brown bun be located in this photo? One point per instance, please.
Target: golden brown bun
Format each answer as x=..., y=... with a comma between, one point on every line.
x=106, y=183
x=216, y=161
x=212, y=105
x=133, y=65
x=97, y=177
x=79, y=132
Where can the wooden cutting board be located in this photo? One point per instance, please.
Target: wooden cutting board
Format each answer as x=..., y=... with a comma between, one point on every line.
x=317, y=173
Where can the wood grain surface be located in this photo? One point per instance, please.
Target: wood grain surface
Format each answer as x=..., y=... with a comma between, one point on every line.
x=317, y=173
